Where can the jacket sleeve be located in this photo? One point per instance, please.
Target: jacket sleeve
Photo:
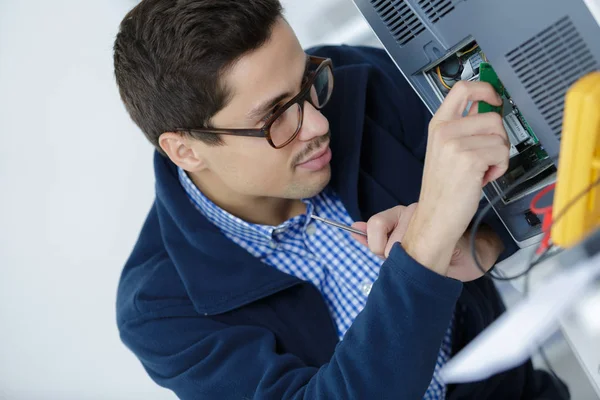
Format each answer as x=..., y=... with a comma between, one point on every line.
x=390, y=350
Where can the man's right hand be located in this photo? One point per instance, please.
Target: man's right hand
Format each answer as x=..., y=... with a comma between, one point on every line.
x=463, y=155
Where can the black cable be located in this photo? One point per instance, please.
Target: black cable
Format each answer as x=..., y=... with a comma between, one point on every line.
x=573, y=201
x=481, y=216
x=531, y=262
x=486, y=209
x=541, y=350
x=530, y=265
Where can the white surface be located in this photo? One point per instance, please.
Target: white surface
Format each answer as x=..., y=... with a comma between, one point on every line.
x=586, y=347
x=515, y=336
x=76, y=183
x=574, y=352
x=594, y=7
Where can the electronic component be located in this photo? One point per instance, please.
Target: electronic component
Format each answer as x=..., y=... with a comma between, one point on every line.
x=463, y=65
x=516, y=132
x=487, y=74
x=532, y=219
x=441, y=78
x=467, y=72
x=527, y=156
x=451, y=68
x=475, y=61
x=470, y=64
x=535, y=163
x=535, y=54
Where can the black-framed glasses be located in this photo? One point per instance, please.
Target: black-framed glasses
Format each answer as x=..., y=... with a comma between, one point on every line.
x=283, y=126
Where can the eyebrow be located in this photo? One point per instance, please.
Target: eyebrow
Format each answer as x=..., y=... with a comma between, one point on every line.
x=262, y=109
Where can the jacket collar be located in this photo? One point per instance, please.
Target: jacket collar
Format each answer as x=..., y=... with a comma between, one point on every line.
x=345, y=113
x=220, y=276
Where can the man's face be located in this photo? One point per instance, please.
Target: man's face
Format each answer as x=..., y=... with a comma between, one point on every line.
x=249, y=166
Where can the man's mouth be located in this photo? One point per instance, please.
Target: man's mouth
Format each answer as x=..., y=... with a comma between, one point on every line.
x=318, y=160
x=317, y=154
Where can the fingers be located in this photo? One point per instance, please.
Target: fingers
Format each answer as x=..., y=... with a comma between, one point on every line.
x=478, y=124
x=398, y=234
x=496, y=158
x=488, y=154
x=476, y=142
x=495, y=171
x=474, y=109
x=379, y=227
x=361, y=226
x=461, y=94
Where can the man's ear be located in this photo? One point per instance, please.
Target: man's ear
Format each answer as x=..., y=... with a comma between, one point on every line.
x=179, y=149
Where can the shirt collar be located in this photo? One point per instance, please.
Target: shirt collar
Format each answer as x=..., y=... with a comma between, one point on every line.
x=196, y=246
x=234, y=226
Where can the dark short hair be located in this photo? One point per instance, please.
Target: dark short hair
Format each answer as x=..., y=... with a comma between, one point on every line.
x=169, y=56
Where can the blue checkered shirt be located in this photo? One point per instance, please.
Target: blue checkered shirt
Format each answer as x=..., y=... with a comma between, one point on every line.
x=341, y=268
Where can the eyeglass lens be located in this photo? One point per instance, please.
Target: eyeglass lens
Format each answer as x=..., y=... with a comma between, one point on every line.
x=287, y=125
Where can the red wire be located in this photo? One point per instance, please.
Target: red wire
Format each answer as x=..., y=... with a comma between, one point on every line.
x=537, y=198
x=546, y=213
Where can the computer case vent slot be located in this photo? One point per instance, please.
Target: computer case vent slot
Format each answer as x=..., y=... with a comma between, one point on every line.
x=435, y=9
x=548, y=63
x=401, y=20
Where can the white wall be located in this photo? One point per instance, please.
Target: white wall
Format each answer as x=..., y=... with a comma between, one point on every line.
x=76, y=182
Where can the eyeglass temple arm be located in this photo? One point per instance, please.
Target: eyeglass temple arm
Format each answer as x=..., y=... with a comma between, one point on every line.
x=216, y=131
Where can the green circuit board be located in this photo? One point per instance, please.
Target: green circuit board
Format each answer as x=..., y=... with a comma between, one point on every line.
x=526, y=125
x=487, y=74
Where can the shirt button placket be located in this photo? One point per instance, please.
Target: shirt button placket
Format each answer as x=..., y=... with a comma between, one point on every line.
x=366, y=287
x=311, y=229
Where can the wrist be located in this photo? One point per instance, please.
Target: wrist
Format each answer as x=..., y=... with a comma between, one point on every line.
x=428, y=244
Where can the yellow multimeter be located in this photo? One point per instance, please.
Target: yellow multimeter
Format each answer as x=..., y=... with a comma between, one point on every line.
x=579, y=164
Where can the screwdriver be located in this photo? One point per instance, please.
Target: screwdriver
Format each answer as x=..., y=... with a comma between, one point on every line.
x=339, y=225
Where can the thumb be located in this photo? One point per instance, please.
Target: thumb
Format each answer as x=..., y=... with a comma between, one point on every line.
x=398, y=233
x=395, y=237
x=361, y=226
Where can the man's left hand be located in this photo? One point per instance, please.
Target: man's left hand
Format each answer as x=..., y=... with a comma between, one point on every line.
x=488, y=247
x=388, y=227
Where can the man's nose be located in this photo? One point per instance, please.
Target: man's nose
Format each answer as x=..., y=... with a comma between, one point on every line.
x=314, y=124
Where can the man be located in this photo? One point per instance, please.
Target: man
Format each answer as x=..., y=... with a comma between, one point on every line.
x=232, y=291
